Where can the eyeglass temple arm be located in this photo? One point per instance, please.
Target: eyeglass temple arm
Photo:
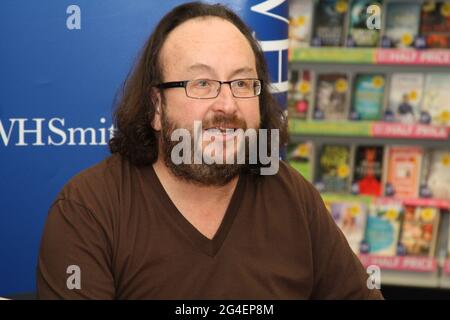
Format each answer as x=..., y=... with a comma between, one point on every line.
x=174, y=84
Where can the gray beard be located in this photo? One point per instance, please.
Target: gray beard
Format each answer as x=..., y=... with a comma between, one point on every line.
x=201, y=174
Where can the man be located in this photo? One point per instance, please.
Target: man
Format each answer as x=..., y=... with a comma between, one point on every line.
x=139, y=226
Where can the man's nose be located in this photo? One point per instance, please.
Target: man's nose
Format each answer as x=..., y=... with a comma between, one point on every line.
x=225, y=101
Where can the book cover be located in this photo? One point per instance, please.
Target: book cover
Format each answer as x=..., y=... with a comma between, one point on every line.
x=300, y=94
x=351, y=217
x=359, y=34
x=436, y=173
x=301, y=158
x=405, y=97
x=448, y=246
x=402, y=23
x=435, y=23
x=419, y=231
x=368, y=97
x=403, y=171
x=368, y=170
x=436, y=102
x=292, y=91
x=383, y=228
x=329, y=22
x=334, y=168
x=300, y=23
x=331, y=101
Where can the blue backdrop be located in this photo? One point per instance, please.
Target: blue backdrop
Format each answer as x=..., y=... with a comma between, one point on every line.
x=62, y=63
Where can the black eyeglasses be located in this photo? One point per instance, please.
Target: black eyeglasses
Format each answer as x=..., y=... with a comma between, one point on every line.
x=210, y=89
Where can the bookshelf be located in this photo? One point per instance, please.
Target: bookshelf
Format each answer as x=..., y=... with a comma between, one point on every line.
x=431, y=271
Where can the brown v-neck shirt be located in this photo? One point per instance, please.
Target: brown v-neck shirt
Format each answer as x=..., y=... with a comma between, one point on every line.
x=118, y=225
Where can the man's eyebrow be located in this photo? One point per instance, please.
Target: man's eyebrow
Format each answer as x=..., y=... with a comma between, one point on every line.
x=205, y=67
x=244, y=70
x=200, y=66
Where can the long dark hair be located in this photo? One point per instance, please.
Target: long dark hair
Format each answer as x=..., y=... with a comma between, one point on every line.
x=135, y=138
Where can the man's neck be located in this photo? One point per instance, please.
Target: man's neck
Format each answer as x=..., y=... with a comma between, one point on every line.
x=181, y=189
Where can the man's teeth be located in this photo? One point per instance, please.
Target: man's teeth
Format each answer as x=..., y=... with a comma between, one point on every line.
x=224, y=130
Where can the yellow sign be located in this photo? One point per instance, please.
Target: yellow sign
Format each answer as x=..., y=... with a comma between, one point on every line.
x=341, y=6
x=343, y=171
x=391, y=214
x=378, y=82
x=427, y=214
x=407, y=39
x=341, y=85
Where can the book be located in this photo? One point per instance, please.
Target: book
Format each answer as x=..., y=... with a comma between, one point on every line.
x=332, y=94
x=368, y=170
x=300, y=23
x=330, y=19
x=300, y=94
x=362, y=33
x=350, y=217
x=368, y=97
x=448, y=243
x=448, y=246
x=419, y=231
x=436, y=173
x=333, y=168
x=405, y=97
x=436, y=101
x=383, y=228
x=301, y=158
x=435, y=24
x=292, y=91
x=403, y=171
x=402, y=23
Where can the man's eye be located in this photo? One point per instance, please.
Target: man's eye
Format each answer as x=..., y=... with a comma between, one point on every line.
x=241, y=84
x=202, y=83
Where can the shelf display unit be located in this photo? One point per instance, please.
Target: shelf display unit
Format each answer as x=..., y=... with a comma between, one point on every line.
x=346, y=94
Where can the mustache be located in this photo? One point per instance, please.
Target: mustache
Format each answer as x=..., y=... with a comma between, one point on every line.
x=222, y=120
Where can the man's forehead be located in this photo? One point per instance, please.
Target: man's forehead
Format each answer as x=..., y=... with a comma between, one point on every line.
x=204, y=67
x=202, y=26
x=199, y=36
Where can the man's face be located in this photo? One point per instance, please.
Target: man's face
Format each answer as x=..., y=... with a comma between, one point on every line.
x=206, y=48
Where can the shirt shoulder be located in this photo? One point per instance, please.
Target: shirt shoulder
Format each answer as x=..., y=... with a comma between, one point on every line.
x=288, y=182
x=95, y=181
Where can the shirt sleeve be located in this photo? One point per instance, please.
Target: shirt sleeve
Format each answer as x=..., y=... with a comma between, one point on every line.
x=338, y=272
x=75, y=255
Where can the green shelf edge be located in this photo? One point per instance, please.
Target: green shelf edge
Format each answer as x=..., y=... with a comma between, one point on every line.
x=333, y=128
x=367, y=200
x=334, y=55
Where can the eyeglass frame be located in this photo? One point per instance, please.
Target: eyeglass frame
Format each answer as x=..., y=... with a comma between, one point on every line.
x=183, y=84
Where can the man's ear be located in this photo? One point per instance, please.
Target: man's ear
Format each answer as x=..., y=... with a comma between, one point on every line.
x=157, y=103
